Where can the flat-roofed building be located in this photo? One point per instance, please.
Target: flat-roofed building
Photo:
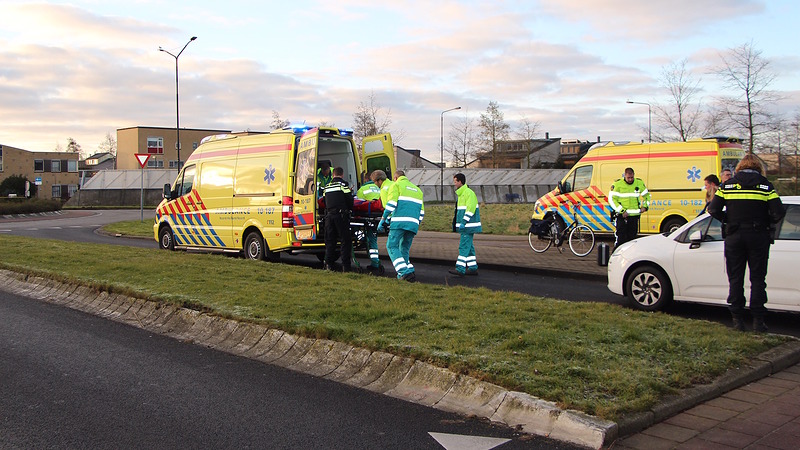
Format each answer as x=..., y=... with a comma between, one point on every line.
x=56, y=172
x=160, y=143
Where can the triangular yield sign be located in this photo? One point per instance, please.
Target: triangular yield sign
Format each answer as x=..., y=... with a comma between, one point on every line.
x=463, y=442
x=142, y=157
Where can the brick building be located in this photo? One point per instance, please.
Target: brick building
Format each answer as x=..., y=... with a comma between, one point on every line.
x=56, y=171
x=160, y=143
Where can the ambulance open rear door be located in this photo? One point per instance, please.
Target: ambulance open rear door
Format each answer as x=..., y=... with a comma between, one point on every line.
x=305, y=199
x=378, y=153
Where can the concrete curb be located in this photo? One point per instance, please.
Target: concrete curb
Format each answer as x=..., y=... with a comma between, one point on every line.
x=396, y=376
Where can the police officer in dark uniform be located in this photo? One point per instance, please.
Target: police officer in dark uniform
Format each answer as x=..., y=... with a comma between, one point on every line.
x=749, y=207
x=338, y=205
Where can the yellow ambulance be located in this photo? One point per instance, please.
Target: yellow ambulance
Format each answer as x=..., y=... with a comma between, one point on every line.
x=258, y=194
x=673, y=173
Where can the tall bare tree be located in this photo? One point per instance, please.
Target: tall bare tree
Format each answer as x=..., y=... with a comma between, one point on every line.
x=527, y=133
x=682, y=118
x=493, y=129
x=461, y=141
x=277, y=122
x=109, y=145
x=369, y=119
x=74, y=147
x=748, y=75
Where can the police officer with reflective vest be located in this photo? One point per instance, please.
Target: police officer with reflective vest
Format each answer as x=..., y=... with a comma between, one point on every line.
x=338, y=205
x=370, y=191
x=749, y=207
x=468, y=222
x=405, y=210
x=628, y=199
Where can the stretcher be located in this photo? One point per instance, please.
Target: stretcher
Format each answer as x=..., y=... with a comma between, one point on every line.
x=365, y=217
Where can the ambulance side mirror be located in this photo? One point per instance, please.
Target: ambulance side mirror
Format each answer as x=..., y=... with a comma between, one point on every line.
x=167, y=192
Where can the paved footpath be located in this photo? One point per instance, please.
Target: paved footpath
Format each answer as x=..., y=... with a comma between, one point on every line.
x=503, y=252
x=763, y=414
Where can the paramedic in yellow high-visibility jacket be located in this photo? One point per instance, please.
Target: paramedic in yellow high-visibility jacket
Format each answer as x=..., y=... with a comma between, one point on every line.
x=468, y=222
x=370, y=191
x=628, y=198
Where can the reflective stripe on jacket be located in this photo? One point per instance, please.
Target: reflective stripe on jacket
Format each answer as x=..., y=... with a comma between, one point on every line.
x=369, y=191
x=468, y=214
x=338, y=196
x=630, y=198
x=747, y=198
x=385, y=188
x=404, y=206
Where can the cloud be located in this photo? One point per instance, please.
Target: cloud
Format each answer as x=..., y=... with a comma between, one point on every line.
x=648, y=21
x=64, y=25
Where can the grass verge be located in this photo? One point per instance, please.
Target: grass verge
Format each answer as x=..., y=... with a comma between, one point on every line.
x=602, y=359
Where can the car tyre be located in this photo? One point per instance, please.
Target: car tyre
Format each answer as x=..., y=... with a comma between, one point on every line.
x=648, y=288
x=166, y=240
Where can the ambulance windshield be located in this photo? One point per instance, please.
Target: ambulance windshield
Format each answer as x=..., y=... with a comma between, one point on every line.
x=730, y=164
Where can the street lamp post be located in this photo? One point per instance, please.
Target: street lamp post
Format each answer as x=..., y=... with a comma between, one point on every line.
x=441, y=152
x=649, y=119
x=177, y=102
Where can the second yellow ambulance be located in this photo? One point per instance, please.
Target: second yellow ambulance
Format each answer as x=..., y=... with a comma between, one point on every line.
x=673, y=173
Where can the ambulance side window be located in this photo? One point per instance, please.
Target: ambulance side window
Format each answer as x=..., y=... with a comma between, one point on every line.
x=305, y=173
x=583, y=178
x=188, y=181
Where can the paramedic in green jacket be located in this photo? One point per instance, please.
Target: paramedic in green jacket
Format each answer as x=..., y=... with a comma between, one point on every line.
x=324, y=177
x=379, y=177
x=405, y=211
x=370, y=191
x=628, y=198
x=468, y=222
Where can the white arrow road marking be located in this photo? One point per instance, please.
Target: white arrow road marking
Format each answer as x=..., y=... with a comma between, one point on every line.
x=462, y=442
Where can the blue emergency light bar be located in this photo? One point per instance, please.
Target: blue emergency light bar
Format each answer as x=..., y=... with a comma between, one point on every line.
x=345, y=131
x=298, y=127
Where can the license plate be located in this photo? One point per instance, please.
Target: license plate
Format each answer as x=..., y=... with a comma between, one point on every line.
x=303, y=235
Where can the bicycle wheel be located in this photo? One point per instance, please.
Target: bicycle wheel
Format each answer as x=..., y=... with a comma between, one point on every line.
x=538, y=243
x=581, y=240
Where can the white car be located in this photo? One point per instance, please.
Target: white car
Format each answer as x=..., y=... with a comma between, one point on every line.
x=689, y=265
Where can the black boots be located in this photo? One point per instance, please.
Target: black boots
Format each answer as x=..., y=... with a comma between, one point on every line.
x=759, y=326
x=758, y=323
x=738, y=322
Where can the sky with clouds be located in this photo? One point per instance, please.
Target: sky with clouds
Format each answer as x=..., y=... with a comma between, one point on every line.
x=85, y=68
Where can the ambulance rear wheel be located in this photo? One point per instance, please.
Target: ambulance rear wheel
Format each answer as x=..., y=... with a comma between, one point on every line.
x=166, y=240
x=254, y=246
x=672, y=224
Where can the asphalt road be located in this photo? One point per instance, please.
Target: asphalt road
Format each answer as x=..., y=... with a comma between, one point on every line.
x=74, y=380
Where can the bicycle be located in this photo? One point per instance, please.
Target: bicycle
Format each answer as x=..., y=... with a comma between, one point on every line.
x=581, y=237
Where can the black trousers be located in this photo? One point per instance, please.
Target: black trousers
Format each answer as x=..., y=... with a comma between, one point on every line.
x=337, y=227
x=747, y=247
x=627, y=229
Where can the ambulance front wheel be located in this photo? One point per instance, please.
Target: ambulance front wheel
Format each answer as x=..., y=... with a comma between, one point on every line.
x=166, y=240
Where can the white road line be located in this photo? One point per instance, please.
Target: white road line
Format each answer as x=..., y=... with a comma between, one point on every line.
x=463, y=442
